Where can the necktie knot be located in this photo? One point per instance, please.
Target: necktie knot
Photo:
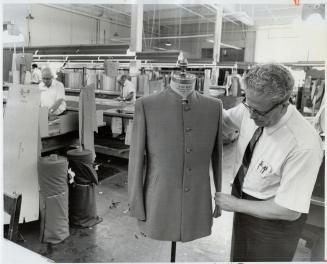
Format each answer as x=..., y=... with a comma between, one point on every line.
x=255, y=138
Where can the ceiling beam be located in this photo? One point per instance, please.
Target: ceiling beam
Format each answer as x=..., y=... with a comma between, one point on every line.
x=269, y=11
x=114, y=10
x=195, y=13
x=85, y=14
x=214, y=10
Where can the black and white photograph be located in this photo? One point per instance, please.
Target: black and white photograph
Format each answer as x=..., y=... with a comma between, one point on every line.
x=163, y=131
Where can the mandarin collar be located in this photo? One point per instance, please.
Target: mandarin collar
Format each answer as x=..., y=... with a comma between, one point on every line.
x=177, y=97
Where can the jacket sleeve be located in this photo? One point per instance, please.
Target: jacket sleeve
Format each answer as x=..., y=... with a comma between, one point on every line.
x=136, y=164
x=216, y=159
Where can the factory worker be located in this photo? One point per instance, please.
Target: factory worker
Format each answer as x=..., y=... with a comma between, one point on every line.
x=277, y=160
x=36, y=74
x=127, y=89
x=52, y=93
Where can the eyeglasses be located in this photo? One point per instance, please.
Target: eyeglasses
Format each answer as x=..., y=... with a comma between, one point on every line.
x=260, y=113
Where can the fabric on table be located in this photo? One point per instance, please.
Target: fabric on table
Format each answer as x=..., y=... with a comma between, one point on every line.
x=87, y=118
x=20, y=151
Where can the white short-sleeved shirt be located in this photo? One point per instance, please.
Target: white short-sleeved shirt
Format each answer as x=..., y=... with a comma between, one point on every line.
x=128, y=88
x=36, y=75
x=285, y=161
x=50, y=95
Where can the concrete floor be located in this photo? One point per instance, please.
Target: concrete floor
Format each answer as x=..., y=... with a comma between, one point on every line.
x=117, y=238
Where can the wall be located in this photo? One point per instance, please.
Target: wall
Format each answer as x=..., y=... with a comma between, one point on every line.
x=232, y=34
x=301, y=42
x=15, y=13
x=56, y=27
x=51, y=26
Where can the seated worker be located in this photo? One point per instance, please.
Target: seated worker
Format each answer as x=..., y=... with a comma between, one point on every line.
x=127, y=90
x=36, y=74
x=52, y=93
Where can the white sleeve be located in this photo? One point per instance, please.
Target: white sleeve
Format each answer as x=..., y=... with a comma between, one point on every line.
x=60, y=91
x=232, y=118
x=298, y=177
x=60, y=95
x=130, y=88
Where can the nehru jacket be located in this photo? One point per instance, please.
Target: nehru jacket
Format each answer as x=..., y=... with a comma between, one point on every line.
x=173, y=143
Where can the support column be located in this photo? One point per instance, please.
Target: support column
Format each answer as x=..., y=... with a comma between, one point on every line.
x=250, y=40
x=217, y=36
x=97, y=32
x=136, y=28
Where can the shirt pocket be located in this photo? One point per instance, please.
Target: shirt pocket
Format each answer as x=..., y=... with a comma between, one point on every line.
x=264, y=177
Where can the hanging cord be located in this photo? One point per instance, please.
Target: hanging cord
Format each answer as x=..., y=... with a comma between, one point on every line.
x=180, y=28
x=153, y=22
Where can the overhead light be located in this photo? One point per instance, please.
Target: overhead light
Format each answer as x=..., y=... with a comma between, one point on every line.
x=158, y=48
x=29, y=16
x=224, y=44
x=230, y=46
x=168, y=44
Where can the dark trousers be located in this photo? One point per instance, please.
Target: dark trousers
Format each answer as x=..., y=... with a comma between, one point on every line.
x=256, y=239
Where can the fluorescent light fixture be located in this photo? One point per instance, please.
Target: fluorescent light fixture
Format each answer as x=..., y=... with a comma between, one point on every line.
x=158, y=48
x=224, y=44
x=240, y=16
x=230, y=46
x=168, y=44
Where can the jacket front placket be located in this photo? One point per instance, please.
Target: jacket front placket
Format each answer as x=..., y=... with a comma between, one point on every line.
x=187, y=168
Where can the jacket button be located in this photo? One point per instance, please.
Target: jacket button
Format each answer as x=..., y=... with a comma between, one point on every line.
x=188, y=129
x=189, y=169
x=186, y=189
x=188, y=150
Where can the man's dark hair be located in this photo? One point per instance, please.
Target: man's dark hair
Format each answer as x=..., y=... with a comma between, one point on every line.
x=34, y=65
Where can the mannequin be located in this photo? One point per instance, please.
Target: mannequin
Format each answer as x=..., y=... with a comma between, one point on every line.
x=169, y=191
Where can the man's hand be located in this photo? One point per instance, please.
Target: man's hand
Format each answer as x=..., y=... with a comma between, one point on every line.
x=119, y=98
x=264, y=209
x=226, y=202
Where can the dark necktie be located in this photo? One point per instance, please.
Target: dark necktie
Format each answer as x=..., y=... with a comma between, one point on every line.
x=238, y=181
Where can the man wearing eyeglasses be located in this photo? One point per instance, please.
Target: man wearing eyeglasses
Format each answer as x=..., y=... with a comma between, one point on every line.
x=277, y=161
x=52, y=93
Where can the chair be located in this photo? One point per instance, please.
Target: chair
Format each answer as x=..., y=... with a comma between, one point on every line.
x=12, y=205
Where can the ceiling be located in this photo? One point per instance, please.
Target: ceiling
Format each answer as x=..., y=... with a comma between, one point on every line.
x=169, y=14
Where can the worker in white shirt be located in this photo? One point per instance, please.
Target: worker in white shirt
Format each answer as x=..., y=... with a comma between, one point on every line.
x=127, y=89
x=277, y=160
x=36, y=74
x=52, y=93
